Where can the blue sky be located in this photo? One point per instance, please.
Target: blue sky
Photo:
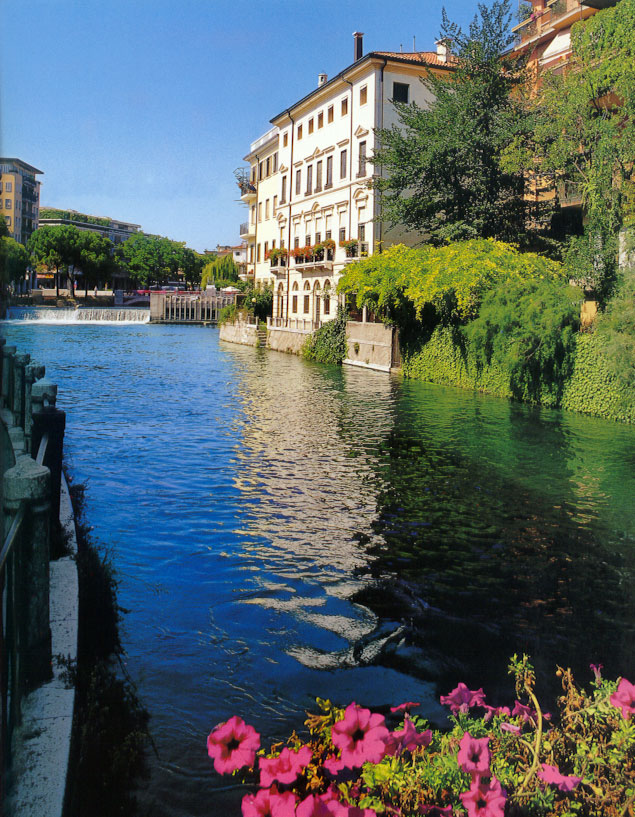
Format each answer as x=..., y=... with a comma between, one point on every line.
x=141, y=109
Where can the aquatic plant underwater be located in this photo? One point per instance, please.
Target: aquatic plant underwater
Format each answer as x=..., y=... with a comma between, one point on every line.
x=493, y=761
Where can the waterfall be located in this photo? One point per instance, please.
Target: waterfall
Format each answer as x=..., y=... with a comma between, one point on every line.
x=51, y=314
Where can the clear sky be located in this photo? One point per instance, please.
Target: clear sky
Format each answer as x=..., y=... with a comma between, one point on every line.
x=141, y=109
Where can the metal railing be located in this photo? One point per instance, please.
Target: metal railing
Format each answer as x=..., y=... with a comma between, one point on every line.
x=297, y=324
x=30, y=498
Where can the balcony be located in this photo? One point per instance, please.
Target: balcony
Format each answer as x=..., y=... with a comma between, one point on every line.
x=279, y=265
x=247, y=230
x=559, y=14
x=248, y=191
x=319, y=260
x=357, y=252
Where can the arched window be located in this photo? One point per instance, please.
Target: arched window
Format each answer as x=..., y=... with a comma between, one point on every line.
x=326, y=297
x=307, y=298
x=294, y=299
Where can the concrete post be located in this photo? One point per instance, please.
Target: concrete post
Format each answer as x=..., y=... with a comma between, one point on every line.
x=29, y=482
x=7, y=375
x=19, y=381
x=51, y=421
x=33, y=372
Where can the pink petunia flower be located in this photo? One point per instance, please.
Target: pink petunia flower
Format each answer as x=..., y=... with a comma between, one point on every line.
x=550, y=774
x=510, y=727
x=403, y=707
x=525, y=712
x=484, y=799
x=360, y=735
x=624, y=698
x=407, y=739
x=286, y=767
x=462, y=699
x=334, y=765
x=473, y=756
x=492, y=711
x=315, y=806
x=232, y=745
x=268, y=803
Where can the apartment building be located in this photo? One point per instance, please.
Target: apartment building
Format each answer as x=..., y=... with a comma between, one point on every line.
x=311, y=207
x=117, y=231
x=19, y=197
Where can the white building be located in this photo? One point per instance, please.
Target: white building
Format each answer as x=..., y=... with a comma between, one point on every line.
x=309, y=181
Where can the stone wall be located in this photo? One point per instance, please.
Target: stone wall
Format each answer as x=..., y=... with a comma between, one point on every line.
x=371, y=345
x=244, y=333
x=287, y=340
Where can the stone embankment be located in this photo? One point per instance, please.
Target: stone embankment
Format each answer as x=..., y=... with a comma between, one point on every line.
x=39, y=627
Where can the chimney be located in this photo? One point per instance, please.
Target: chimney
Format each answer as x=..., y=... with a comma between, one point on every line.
x=322, y=79
x=359, y=45
x=443, y=50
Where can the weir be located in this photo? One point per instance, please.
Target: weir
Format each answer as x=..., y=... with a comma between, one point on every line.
x=53, y=314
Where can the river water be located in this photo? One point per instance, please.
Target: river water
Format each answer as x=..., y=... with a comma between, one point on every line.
x=283, y=530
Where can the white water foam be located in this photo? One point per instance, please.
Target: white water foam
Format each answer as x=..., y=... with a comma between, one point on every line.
x=51, y=314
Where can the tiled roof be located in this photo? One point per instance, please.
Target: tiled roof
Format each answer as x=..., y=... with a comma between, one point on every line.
x=425, y=57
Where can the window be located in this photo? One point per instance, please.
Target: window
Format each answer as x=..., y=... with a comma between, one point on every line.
x=311, y=125
x=361, y=232
x=8, y=220
x=294, y=307
x=306, y=304
x=253, y=174
x=268, y=166
x=261, y=170
x=329, y=114
x=309, y=180
x=275, y=162
x=362, y=159
x=318, y=238
x=400, y=92
x=327, y=301
x=320, y=120
x=299, y=131
x=266, y=248
x=273, y=244
x=328, y=234
x=307, y=240
x=298, y=182
x=363, y=95
x=267, y=209
x=342, y=234
x=253, y=213
x=283, y=196
x=296, y=242
x=260, y=211
x=8, y=187
x=258, y=254
x=318, y=177
x=343, y=164
x=285, y=139
x=7, y=204
x=329, y=172
x=344, y=106
x=275, y=204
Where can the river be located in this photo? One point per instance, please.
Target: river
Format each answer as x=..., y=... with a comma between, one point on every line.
x=283, y=530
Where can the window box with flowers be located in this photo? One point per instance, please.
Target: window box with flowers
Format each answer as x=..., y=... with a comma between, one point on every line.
x=302, y=255
x=329, y=248
x=277, y=256
x=350, y=247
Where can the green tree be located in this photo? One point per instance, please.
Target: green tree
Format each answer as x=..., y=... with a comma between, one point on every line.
x=220, y=271
x=55, y=248
x=151, y=259
x=14, y=260
x=258, y=300
x=442, y=172
x=95, y=258
x=585, y=131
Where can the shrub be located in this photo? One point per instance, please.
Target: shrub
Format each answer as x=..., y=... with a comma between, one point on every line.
x=328, y=343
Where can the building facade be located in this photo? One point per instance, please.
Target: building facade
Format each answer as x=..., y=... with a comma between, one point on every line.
x=116, y=231
x=311, y=207
x=19, y=198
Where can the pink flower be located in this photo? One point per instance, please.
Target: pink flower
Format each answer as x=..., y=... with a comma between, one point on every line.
x=403, y=707
x=624, y=698
x=550, y=774
x=314, y=806
x=525, y=712
x=407, y=738
x=360, y=735
x=268, y=803
x=510, y=727
x=484, y=799
x=473, y=756
x=597, y=671
x=334, y=765
x=284, y=768
x=492, y=711
x=461, y=699
x=232, y=745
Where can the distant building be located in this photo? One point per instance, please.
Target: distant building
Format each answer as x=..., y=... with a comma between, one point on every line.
x=19, y=197
x=238, y=253
x=117, y=231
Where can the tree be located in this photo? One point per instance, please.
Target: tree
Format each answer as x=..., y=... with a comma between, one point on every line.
x=223, y=270
x=152, y=259
x=585, y=131
x=95, y=257
x=442, y=169
x=14, y=260
x=55, y=248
